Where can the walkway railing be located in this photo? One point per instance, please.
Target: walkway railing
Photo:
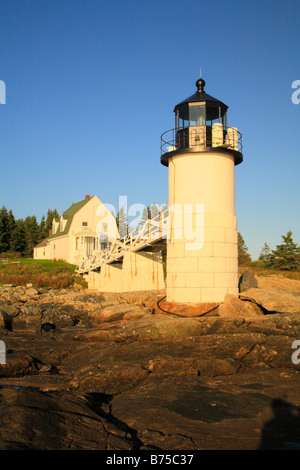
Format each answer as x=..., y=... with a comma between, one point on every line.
x=150, y=233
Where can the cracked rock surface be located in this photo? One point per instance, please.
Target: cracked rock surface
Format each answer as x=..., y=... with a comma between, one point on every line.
x=89, y=370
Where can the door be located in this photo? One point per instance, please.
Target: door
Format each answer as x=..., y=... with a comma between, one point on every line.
x=89, y=246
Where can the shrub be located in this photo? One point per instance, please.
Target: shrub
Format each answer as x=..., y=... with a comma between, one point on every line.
x=9, y=255
x=51, y=274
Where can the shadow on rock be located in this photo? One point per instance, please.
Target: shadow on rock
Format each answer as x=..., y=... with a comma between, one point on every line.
x=100, y=404
x=283, y=430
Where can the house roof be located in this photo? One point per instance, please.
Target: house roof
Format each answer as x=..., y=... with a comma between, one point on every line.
x=68, y=215
x=42, y=243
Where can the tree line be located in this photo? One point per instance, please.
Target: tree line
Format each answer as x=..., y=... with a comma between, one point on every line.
x=286, y=255
x=21, y=235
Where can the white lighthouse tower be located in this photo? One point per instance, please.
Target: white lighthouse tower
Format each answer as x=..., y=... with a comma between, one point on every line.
x=201, y=154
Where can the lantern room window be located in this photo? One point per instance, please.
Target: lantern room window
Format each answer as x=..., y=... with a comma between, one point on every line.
x=197, y=115
x=190, y=116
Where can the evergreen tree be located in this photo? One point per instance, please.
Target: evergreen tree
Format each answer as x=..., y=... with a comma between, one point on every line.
x=11, y=224
x=164, y=208
x=4, y=230
x=286, y=256
x=265, y=254
x=265, y=251
x=154, y=211
x=20, y=236
x=31, y=234
x=243, y=256
x=146, y=215
x=43, y=233
x=122, y=224
x=50, y=216
x=18, y=243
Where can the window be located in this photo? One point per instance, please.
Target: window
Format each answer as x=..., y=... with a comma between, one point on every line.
x=104, y=245
x=182, y=117
x=103, y=241
x=84, y=224
x=197, y=115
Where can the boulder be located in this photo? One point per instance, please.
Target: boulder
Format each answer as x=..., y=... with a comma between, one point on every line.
x=118, y=312
x=273, y=300
x=247, y=281
x=9, y=309
x=234, y=307
x=20, y=290
x=8, y=312
x=31, y=292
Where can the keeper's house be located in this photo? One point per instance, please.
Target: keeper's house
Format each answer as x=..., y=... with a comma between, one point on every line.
x=79, y=233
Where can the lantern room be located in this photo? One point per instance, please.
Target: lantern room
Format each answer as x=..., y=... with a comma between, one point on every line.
x=201, y=125
x=200, y=109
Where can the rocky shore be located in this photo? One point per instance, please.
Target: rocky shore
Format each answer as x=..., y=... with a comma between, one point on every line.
x=89, y=370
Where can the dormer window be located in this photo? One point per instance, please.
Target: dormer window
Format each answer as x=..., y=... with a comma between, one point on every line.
x=61, y=224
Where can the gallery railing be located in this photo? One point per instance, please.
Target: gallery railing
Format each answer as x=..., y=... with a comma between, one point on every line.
x=197, y=137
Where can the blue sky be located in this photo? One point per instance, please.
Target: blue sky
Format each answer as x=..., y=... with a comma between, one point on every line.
x=91, y=85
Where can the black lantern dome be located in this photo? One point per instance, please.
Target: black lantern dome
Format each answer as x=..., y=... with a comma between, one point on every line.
x=201, y=125
x=209, y=109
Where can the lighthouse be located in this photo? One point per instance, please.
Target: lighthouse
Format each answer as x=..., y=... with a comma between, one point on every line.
x=201, y=153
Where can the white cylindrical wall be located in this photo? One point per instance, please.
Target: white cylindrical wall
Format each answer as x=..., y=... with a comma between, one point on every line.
x=202, y=262
x=204, y=177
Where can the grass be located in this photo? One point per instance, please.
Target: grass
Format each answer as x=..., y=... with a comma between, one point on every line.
x=258, y=271
x=40, y=273
x=58, y=274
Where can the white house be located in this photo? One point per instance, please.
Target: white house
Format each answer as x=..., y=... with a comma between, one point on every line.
x=80, y=232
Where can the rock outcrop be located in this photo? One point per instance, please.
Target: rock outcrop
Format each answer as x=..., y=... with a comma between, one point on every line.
x=273, y=300
x=92, y=370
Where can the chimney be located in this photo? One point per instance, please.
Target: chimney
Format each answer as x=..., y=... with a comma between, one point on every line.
x=87, y=196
